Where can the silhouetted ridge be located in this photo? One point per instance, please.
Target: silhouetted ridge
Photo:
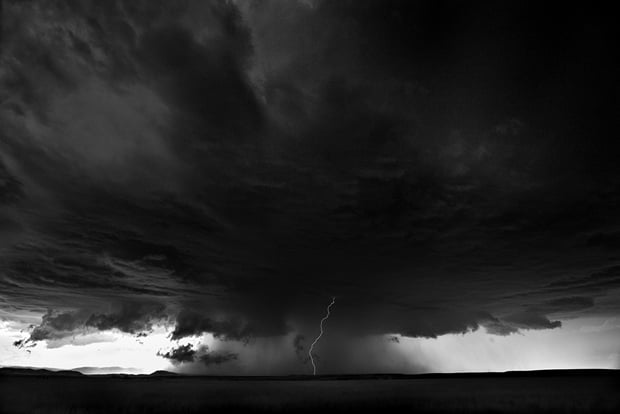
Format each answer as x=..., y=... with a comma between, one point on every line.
x=330, y=377
x=39, y=372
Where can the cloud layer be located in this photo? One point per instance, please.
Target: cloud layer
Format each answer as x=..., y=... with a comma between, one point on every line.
x=230, y=166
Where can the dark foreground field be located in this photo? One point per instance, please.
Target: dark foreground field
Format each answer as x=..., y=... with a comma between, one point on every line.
x=570, y=391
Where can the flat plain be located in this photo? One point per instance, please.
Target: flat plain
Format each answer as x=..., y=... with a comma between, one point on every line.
x=550, y=392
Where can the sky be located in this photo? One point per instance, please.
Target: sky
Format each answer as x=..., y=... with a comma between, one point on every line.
x=186, y=186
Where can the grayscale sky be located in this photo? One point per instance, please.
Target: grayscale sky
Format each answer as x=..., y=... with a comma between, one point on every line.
x=185, y=185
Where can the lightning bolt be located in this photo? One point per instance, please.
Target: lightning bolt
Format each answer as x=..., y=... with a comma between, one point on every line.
x=319, y=337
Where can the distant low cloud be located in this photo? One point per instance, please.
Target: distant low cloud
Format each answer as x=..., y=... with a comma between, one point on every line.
x=187, y=354
x=183, y=353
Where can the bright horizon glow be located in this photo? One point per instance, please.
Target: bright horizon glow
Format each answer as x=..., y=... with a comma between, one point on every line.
x=580, y=343
x=122, y=351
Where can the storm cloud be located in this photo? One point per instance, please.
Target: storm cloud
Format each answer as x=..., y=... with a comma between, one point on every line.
x=187, y=353
x=184, y=353
x=229, y=166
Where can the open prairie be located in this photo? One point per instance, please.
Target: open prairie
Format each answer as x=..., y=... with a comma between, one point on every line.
x=593, y=392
